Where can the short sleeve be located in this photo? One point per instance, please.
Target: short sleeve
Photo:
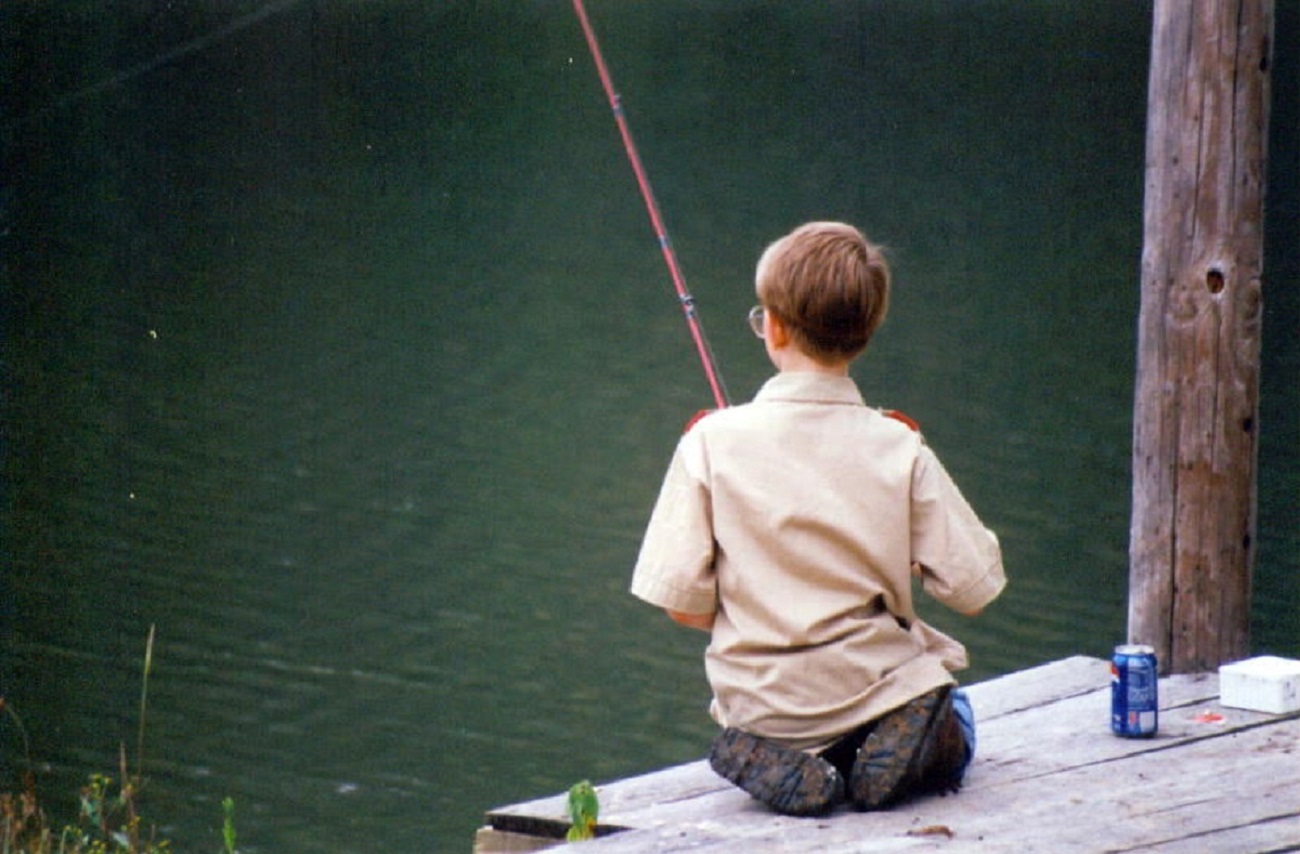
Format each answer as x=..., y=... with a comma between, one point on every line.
x=962, y=559
x=675, y=567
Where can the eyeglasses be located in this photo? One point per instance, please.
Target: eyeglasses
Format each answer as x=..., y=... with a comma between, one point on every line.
x=756, y=319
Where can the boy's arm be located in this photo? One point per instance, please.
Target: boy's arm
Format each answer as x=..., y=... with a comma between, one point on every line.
x=960, y=559
x=703, y=622
x=674, y=569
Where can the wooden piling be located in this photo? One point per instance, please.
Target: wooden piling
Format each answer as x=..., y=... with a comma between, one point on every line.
x=1195, y=431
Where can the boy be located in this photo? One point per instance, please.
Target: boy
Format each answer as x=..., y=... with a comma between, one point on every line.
x=790, y=529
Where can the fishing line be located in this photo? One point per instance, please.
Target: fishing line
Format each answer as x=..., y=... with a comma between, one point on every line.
x=656, y=220
x=165, y=58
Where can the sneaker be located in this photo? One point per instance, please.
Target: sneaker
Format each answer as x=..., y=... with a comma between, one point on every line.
x=893, y=758
x=789, y=781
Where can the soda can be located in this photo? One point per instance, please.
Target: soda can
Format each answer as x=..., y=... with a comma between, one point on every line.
x=1134, y=685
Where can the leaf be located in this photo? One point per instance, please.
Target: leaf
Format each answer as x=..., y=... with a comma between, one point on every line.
x=584, y=809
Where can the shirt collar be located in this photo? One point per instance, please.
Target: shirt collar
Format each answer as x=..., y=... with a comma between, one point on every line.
x=810, y=387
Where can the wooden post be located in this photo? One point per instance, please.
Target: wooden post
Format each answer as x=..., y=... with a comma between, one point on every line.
x=1192, y=540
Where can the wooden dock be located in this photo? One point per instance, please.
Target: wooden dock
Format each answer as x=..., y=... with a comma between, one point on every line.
x=1048, y=776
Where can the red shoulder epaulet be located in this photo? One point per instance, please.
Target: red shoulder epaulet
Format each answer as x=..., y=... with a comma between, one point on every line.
x=898, y=416
x=696, y=419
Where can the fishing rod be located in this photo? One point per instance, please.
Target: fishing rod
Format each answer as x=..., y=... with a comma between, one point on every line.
x=656, y=220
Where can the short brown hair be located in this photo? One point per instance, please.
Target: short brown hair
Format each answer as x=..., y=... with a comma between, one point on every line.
x=829, y=285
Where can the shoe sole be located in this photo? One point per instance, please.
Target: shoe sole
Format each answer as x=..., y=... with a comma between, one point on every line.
x=789, y=781
x=895, y=752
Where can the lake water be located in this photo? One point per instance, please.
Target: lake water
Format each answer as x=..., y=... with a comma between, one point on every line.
x=338, y=348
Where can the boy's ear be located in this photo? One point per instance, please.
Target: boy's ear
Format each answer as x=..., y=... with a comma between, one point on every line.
x=776, y=331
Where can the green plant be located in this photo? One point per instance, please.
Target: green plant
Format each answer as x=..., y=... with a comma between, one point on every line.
x=228, y=826
x=108, y=821
x=22, y=824
x=584, y=809
x=144, y=703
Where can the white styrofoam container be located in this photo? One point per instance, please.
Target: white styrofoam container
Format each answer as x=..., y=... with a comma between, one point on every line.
x=1265, y=683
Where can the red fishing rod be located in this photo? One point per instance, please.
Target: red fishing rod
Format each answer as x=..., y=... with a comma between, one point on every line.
x=656, y=221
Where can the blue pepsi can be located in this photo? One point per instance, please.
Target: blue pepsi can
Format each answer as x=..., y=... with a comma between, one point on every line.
x=1134, y=685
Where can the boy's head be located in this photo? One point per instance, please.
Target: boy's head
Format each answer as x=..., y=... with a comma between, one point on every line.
x=828, y=285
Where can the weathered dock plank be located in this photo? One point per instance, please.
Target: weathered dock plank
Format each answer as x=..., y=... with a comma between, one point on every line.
x=677, y=791
x=1190, y=790
x=1037, y=686
x=1048, y=776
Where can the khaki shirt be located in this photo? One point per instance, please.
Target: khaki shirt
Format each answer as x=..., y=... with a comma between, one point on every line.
x=796, y=518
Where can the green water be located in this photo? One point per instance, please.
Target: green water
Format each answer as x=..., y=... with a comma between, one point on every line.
x=337, y=346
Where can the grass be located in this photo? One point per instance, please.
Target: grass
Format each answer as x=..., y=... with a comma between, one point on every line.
x=108, y=819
